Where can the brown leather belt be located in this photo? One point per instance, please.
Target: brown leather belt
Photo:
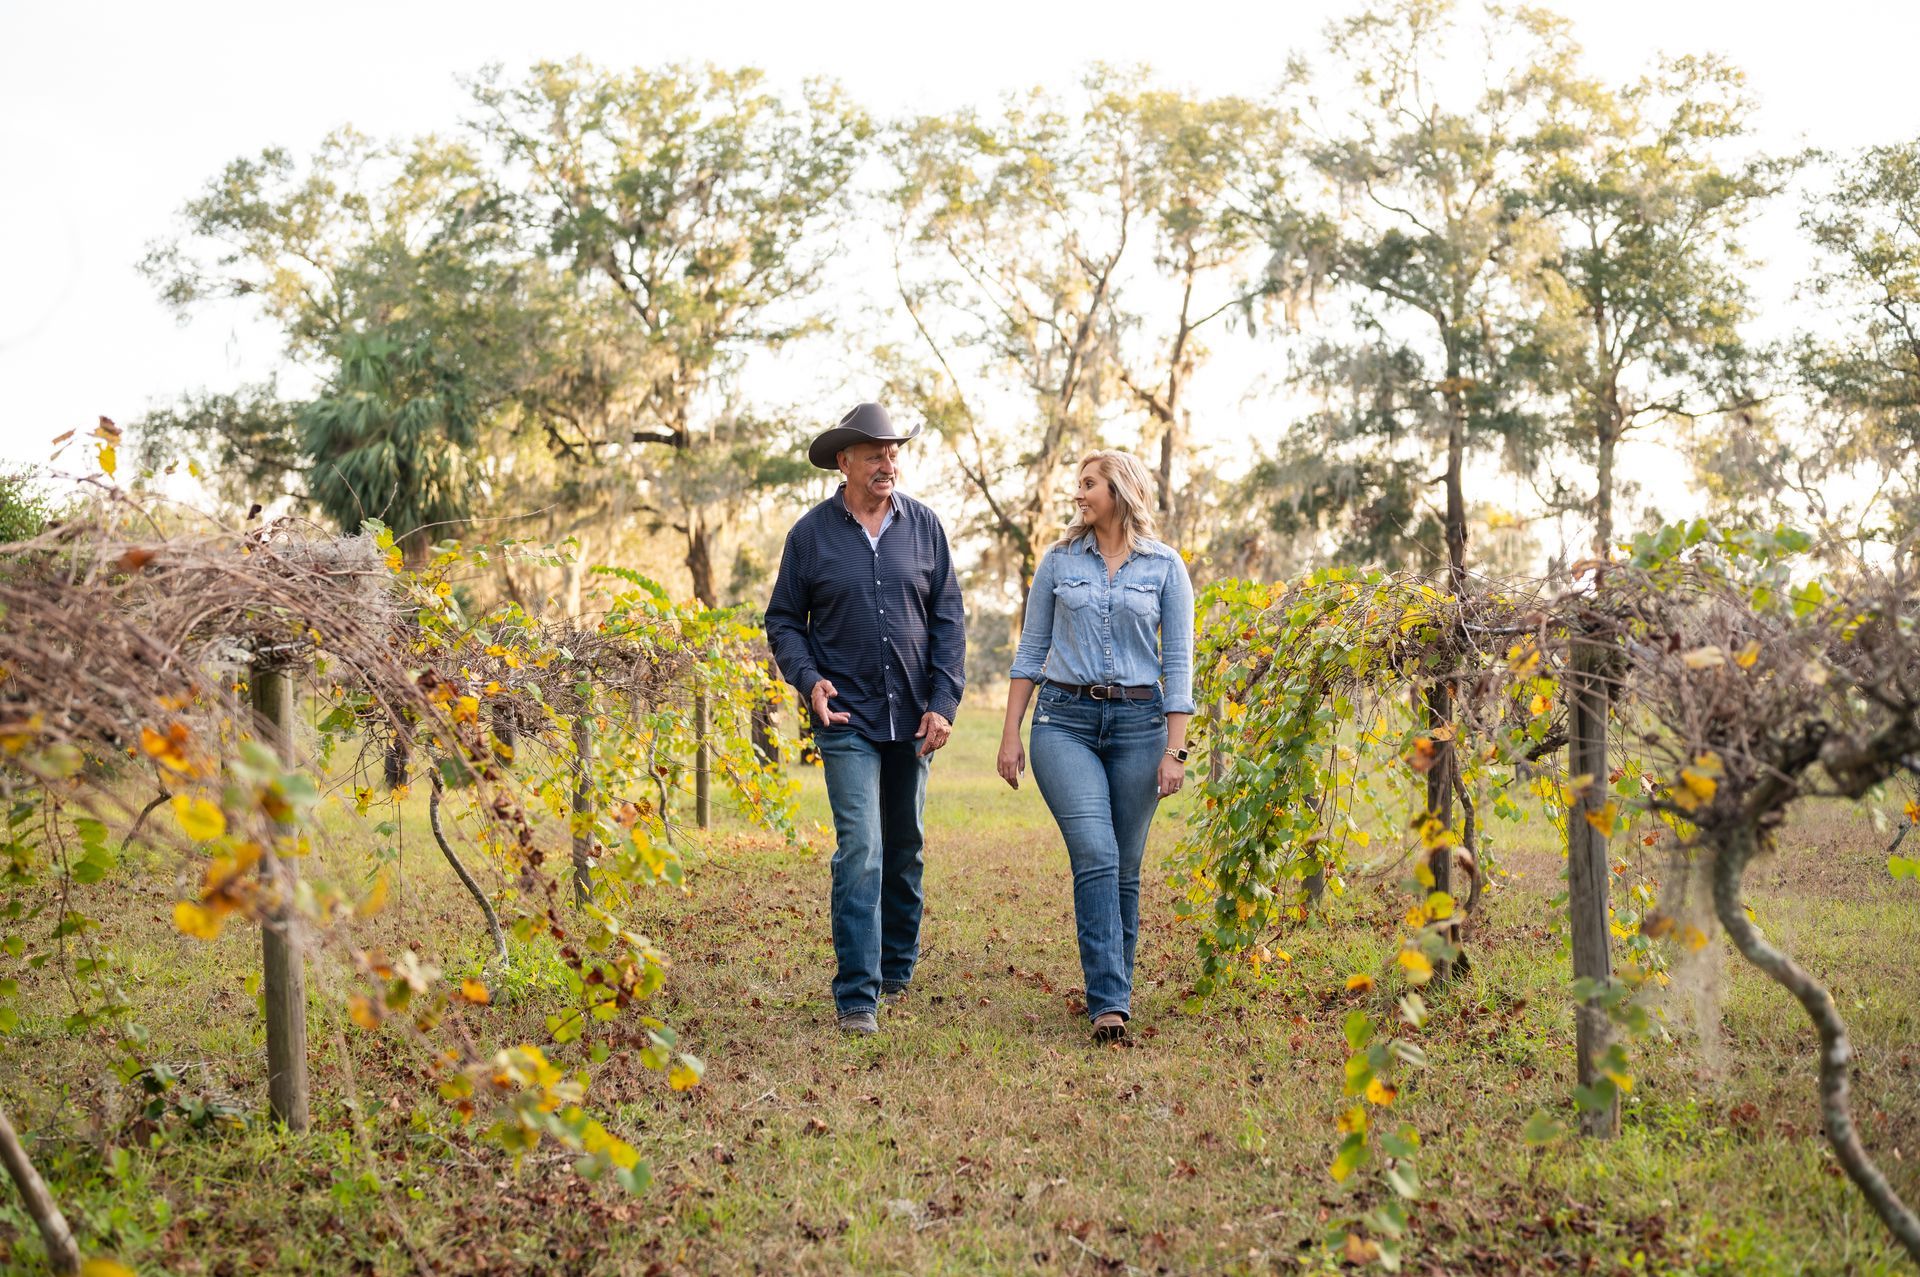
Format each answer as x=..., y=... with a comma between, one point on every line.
x=1107, y=691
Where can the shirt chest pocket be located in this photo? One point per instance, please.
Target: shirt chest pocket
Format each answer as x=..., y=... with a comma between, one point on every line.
x=1141, y=599
x=1076, y=592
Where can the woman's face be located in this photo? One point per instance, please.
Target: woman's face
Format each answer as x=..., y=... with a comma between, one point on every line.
x=1094, y=497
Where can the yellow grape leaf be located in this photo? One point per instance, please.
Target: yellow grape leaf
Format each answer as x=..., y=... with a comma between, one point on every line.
x=1360, y=982
x=168, y=750
x=466, y=710
x=1440, y=905
x=1539, y=705
x=361, y=1011
x=1359, y=1251
x=376, y=897
x=102, y=1267
x=475, y=992
x=1354, y=1120
x=1419, y=970
x=196, y=920
x=1912, y=813
x=1747, y=655
x=1380, y=1093
x=109, y=460
x=199, y=819
x=1603, y=818
x=683, y=1076
x=1694, y=938
x=1695, y=788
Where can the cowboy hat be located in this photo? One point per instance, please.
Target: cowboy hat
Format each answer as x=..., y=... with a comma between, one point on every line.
x=866, y=423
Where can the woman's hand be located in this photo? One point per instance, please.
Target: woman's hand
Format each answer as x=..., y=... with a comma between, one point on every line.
x=1013, y=760
x=1173, y=774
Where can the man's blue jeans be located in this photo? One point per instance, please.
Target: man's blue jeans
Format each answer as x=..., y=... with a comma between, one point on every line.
x=1098, y=765
x=877, y=790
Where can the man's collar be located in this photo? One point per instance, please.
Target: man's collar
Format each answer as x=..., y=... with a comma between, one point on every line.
x=840, y=499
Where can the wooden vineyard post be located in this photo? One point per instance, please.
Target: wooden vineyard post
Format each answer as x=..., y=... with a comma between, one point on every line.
x=702, y=757
x=583, y=804
x=283, y=970
x=1587, y=865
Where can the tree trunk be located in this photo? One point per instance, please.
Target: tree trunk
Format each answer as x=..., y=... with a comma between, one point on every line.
x=63, y=1256
x=1603, y=495
x=1456, y=495
x=700, y=561
x=1836, y=1051
x=283, y=970
x=1587, y=875
x=574, y=575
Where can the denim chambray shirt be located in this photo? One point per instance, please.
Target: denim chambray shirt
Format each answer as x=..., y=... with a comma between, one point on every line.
x=1133, y=630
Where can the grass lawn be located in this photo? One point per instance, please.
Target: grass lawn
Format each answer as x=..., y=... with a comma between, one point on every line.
x=981, y=1131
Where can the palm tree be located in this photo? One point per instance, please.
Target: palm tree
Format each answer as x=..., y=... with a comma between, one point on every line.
x=388, y=440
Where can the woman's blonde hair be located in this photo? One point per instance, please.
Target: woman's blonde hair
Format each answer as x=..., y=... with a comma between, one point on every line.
x=1132, y=488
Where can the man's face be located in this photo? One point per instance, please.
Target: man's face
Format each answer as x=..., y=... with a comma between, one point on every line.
x=871, y=468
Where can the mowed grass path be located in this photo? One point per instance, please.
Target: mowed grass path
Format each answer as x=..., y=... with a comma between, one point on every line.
x=981, y=1131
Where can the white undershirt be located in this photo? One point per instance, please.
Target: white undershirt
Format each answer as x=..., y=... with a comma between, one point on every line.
x=873, y=538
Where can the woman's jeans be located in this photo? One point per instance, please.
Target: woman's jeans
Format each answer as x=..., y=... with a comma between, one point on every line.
x=1098, y=767
x=876, y=790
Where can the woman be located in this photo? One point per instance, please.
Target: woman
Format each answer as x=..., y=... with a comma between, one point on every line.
x=1109, y=640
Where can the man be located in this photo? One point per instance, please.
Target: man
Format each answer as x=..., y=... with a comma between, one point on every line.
x=865, y=622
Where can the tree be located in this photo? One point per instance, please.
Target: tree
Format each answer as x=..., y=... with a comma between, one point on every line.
x=1644, y=308
x=244, y=444
x=392, y=272
x=686, y=208
x=1191, y=158
x=1866, y=374
x=389, y=439
x=1009, y=237
x=1430, y=243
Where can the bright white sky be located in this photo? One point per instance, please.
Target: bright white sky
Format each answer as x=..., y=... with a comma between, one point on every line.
x=111, y=114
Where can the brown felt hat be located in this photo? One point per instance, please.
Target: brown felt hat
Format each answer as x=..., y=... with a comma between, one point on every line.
x=866, y=423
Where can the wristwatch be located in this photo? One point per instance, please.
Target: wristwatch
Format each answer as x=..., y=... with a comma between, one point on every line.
x=1178, y=755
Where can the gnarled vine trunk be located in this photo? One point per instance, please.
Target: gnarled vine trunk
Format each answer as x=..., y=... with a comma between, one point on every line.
x=62, y=1254
x=1836, y=1050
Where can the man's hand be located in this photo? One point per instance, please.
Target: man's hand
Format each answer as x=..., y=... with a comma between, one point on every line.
x=821, y=692
x=935, y=730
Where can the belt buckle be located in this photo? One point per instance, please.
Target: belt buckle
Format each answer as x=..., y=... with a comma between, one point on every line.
x=1100, y=692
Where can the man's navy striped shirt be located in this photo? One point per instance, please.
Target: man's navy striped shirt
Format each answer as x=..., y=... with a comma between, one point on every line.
x=883, y=625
